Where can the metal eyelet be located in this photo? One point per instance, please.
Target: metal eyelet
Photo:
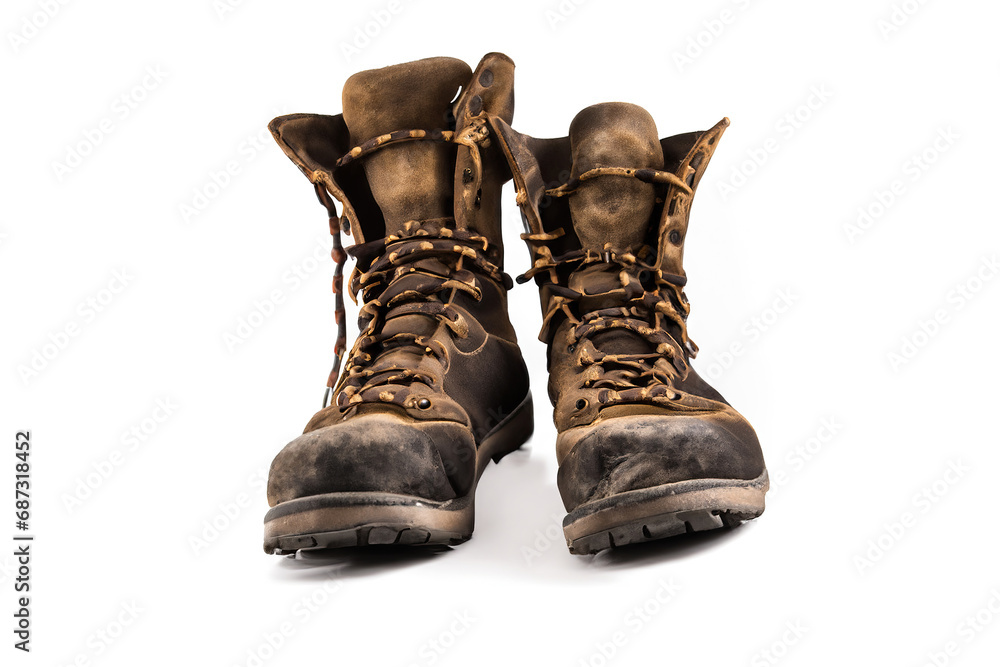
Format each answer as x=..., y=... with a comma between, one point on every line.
x=581, y=404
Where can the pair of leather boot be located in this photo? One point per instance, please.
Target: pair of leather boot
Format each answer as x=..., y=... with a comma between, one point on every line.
x=434, y=385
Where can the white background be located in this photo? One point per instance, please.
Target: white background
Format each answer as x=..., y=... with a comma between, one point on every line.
x=851, y=553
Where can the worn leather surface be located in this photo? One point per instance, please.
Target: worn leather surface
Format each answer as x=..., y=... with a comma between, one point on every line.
x=606, y=210
x=638, y=451
x=436, y=364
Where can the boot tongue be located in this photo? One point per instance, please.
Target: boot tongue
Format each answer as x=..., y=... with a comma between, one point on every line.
x=411, y=180
x=612, y=212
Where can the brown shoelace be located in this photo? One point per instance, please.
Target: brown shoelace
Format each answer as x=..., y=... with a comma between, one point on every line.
x=473, y=136
x=649, y=300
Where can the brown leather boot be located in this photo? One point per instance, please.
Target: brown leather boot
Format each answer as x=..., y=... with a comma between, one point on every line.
x=646, y=448
x=434, y=386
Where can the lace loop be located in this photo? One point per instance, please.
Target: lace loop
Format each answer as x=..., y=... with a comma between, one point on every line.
x=339, y=257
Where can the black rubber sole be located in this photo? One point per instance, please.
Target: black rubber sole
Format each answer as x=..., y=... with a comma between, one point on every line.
x=663, y=511
x=363, y=536
x=339, y=520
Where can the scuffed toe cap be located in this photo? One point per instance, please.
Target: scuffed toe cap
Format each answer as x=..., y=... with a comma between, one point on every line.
x=643, y=451
x=376, y=453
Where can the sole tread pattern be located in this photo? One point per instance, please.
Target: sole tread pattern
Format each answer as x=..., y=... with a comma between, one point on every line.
x=657, y=528
x=361, y=536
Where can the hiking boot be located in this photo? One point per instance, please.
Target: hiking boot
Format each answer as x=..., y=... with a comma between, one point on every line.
x=646, y=448
x=434, y=386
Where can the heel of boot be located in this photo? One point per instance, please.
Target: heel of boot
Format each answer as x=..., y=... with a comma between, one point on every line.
x=508, y=436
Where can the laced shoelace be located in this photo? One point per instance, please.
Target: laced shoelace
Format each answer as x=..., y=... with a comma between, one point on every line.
x=437, y=266
x=635, y=377
x=649, y=299
x=439, y=255
x=646, y=175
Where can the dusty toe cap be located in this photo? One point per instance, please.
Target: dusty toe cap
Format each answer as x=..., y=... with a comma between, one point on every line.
x=376, y=453
x=639, y=452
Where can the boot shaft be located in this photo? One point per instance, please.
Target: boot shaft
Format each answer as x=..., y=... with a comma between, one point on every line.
x=606, y=210
x=418, y=179
x=410, y=147
x=609, y=187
